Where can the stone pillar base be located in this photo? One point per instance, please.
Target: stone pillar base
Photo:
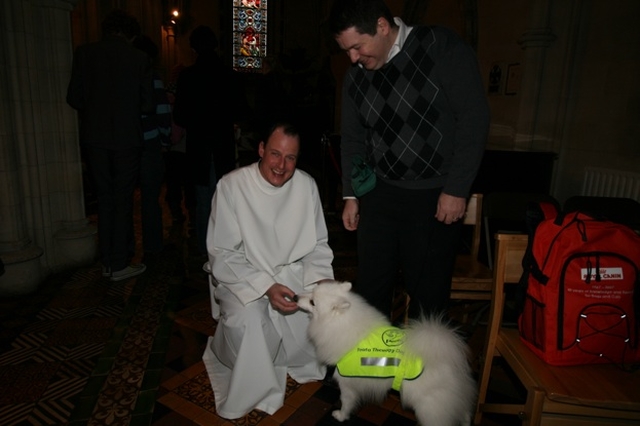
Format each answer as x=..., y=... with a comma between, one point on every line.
x=75, y=247
x=23, y=273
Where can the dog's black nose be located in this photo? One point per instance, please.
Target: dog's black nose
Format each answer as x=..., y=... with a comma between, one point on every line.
x=295, y=298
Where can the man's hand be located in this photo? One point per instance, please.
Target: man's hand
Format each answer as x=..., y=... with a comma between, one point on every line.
x=350, y=215
x=450, y=208
x=281, y=298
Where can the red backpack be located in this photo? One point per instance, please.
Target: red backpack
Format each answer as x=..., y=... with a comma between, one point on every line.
x=582, y=299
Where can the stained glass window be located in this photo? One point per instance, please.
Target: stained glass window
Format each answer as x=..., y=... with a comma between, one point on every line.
x=249, y=34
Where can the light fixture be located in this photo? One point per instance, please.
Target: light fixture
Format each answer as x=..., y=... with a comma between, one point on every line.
x=174, y=16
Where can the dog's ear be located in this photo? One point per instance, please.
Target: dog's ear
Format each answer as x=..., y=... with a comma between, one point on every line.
x=341, y=306
x=345, y=286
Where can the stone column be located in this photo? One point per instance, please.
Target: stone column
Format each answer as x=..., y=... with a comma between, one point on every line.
x=43, y=226
x=534, y=42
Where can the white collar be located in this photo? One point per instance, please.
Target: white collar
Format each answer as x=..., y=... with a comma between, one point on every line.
x=403, y=33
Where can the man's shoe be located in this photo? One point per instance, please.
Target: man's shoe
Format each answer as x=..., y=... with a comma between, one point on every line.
x=128, y=272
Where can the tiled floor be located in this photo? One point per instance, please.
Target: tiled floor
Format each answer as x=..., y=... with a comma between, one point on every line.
x=86, y=351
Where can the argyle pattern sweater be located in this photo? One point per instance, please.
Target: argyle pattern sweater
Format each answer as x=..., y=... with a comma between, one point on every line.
x=421, y=121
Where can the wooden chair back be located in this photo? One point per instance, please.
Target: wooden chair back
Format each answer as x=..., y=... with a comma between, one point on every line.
x=472, y=280
x=473, y=217
x=588, y=395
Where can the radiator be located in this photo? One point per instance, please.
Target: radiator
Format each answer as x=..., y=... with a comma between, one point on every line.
x=603, y=182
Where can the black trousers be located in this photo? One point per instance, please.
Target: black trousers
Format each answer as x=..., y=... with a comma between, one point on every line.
x=179, y=186
x=151, y=178
x=399, y=236
x=114, y=175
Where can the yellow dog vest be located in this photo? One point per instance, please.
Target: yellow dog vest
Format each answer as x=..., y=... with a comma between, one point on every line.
x=381, y=354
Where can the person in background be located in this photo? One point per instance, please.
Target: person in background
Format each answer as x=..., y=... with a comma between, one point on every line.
x=267, y=241
x=179, y=186
x=111, y=86
x=207, y=104
x=156, y=130
x=414, y=109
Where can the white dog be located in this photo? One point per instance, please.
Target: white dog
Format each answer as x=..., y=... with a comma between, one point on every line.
x=435, y=377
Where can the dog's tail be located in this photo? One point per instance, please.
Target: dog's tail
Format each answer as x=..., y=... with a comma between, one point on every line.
x=435, y=338
x=446, y=359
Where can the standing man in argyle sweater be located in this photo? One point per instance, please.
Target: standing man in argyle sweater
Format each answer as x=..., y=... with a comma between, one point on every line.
x=414, y=107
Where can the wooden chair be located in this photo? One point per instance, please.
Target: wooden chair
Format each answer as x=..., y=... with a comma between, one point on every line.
x=585, y=395
x=472, y=280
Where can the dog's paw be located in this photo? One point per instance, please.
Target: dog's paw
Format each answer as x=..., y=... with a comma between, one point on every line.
x=340, y=416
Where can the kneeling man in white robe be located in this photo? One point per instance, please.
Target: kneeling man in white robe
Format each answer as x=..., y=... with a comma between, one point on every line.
x=267, y=241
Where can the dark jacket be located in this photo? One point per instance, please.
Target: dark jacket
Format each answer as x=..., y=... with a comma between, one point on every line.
x=209, y=99
x=111, y=86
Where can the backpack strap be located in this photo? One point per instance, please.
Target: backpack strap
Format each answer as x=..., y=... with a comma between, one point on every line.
x=536, y=212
